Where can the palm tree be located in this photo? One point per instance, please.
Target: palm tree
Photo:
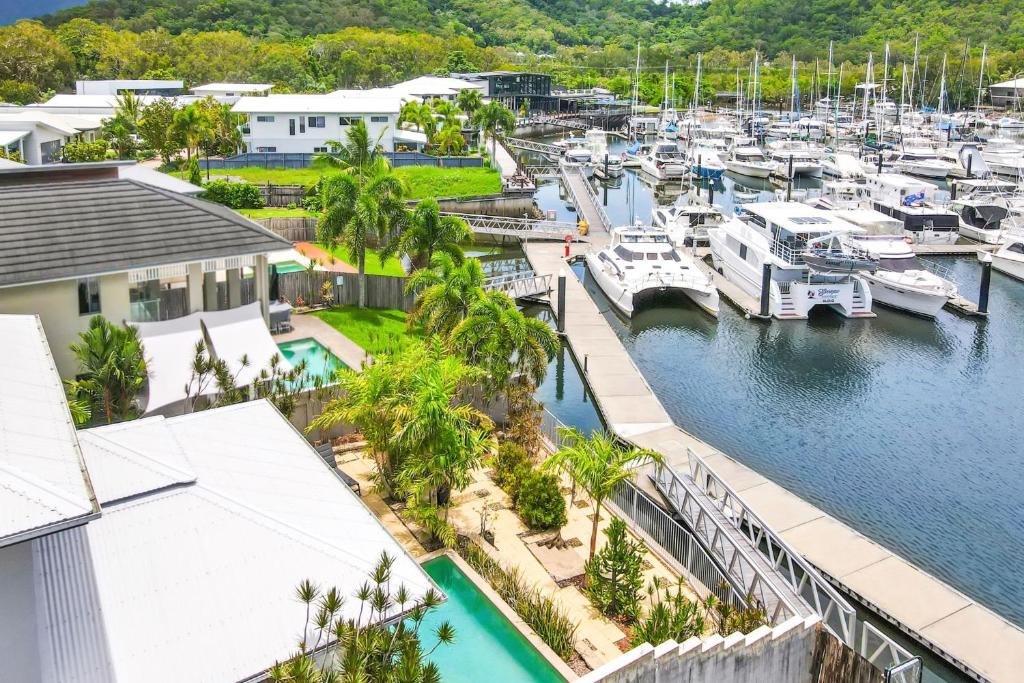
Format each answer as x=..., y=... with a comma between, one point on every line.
x=469, y=100
x=496, y=336
x=111, y=370
x=446, y=109
x=193, y=127
x=130, y=107
x=597, y=465
x=449, y=141
x=495, y=118
x=359, y=154
x=445, y=293
x=444, y=437
x=358, y=208
x=429, y=233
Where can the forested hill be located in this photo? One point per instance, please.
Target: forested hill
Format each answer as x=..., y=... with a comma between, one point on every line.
x=803, y=27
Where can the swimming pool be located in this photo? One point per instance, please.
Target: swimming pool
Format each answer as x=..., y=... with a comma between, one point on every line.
x=289, y=267
x=487, y=646
x=320, y=362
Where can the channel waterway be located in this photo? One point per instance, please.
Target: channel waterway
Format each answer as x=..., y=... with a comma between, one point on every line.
x=907, y=429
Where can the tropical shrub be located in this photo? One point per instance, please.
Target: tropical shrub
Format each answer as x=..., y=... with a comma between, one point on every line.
x=509, y=458
x=367, y=647
x=540, y=502
x=76, y=152
x=742, y=619
x=111, y=371
x=673, y=616
x=234, y=195
x=615, y=575
x=543, y=615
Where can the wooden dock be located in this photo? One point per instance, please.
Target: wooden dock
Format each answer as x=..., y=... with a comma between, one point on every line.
x=952, y=249
x=968, y=635
x=748, y=305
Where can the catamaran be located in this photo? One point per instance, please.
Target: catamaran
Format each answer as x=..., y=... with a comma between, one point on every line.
x=641, y=263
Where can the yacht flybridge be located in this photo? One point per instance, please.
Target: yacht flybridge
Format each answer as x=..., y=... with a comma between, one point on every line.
x=687, y=222
x=641, y=263
x=803, y=246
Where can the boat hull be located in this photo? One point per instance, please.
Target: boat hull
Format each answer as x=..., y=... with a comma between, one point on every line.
x=907, y=299
x=980, y=235
x=1006, y=266
x=748, y=170
x=705, y=172
x=627, y=301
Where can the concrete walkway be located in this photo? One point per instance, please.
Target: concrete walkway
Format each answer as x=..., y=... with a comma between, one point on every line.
x=965, y=633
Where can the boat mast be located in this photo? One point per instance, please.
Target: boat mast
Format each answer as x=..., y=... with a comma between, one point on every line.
x=924, y=80
x=839, y=91
x=636, y=94
x=942, y=88
x=696, y=85
x=828, y=88
x=913, y=70
x=792, y=98
x=981, y=78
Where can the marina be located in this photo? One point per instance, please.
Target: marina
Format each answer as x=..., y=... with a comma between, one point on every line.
x=865, y=569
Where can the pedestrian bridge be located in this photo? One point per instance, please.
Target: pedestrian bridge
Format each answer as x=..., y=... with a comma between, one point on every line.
x=519, y=285
x=525, y=228
x=533, y=146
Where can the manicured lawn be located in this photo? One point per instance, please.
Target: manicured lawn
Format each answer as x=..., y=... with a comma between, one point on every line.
x=374, y=329
x=278, y=176
x=373, y=265
x=431, y=181
x=275, y=213
x=423, y=181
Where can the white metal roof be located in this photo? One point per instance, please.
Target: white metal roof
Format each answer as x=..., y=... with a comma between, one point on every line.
x=27, y=118
x=801, y=218
x=155, y=178
x=196, y=582
x=233, y=87
x=1015, y=83
x=347, y=102
x=43, y=481
x=92, y=101
x=9, y=137
x=435, y=85
x=403, y=135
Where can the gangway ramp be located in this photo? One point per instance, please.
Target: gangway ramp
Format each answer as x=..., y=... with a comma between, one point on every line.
x=525, y=285
x=525, y=228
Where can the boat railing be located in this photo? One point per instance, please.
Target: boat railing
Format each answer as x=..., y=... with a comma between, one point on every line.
x=939, y=270
x=792, y=255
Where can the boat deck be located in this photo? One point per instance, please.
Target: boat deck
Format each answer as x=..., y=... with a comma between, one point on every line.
x=952, y=625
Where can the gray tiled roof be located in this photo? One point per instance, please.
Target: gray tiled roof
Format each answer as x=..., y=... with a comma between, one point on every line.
x=53, y=231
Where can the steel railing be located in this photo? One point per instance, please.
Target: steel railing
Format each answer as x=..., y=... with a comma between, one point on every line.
x=571, y=176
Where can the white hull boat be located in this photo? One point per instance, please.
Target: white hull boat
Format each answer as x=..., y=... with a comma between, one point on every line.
x=901, y=281
x=1009, y=260
x=641, y=264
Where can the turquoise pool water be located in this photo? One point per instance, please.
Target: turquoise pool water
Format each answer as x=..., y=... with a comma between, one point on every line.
x=487, y=646
x=320, y=362
x=289, y=267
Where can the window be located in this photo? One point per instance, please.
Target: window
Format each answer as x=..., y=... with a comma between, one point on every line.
x=743, y=252
x=378, y=119
x=291, y=126
x=317, y=122
x=317, y=150
x=88, y=296
x=266, y=149
x=1016, y=247
x=265, y=119
x=348, y=120
x=302, y=124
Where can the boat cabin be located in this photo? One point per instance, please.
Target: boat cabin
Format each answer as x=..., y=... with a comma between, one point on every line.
x=792, y=229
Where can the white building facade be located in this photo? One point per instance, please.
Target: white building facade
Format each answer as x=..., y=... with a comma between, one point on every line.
x=305, y=123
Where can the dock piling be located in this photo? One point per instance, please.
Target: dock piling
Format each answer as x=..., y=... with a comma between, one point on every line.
x=561, y=302
x=789, y=180
x=766, y=288
x=986, y=280
x=711, y=192
x=970, y=160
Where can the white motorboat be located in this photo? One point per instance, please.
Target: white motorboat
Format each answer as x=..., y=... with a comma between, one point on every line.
x=704, y=161
x=687, y=223
x=841, y=194
x=1009, y=123
x=780, y=235
x=924, y=162
x=610, y=166
x=632, y=155
x=842, y=166
x=981, y=217
x=578, y=157
x=805, y=158
x=1009, y=259
x=750, y=162
x=664, y=161
x=641, y=263
x=909, y=200
x=901, y=281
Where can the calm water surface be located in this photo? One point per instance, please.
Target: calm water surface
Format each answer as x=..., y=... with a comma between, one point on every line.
x=905, y=428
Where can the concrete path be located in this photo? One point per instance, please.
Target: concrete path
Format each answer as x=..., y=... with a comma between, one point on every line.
x=957, y=628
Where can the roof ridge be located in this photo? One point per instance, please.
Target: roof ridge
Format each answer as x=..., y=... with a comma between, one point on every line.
x=137, y=457
x=12, y=472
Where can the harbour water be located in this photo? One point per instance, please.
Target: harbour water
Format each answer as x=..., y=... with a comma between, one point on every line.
x=905, y=428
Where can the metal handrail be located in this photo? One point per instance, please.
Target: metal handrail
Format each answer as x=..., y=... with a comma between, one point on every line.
x=602, y=214
x=824, y=599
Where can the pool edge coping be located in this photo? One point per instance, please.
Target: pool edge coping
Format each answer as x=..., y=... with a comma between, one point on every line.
x=513, y=617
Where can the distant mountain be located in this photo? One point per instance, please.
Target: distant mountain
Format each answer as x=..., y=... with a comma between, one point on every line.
x=12, y=10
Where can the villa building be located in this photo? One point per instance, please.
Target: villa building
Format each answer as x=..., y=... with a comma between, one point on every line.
x=79, y=240
x=164, y=550
x=512, y=88
x=305, y=123
x=134, y=86
x=38, y=136
x=435, y=87
x=1007, y=94
x=229, y=93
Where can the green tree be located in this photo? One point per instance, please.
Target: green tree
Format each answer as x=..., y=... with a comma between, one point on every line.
x=513, y=348
x=421, y=115
x=111, y=370
x=16, y=92
x=30, y=53
x=615, y=575
x=157, y=128
x=354, y=213
x=539, y=500
x=359, y=155
x=450, y=141
x=369, y=649
x=429, y=233
x=444, y=293
x=673, y=616
x=597, y=465
x=192, y=128
x=457, y=62
x=78, y=151
x=494, y=119
x=469, y=100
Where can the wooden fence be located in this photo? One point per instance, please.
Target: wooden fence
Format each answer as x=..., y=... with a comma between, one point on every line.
x=292, y=228
x=277, y=196
x=382, y=291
